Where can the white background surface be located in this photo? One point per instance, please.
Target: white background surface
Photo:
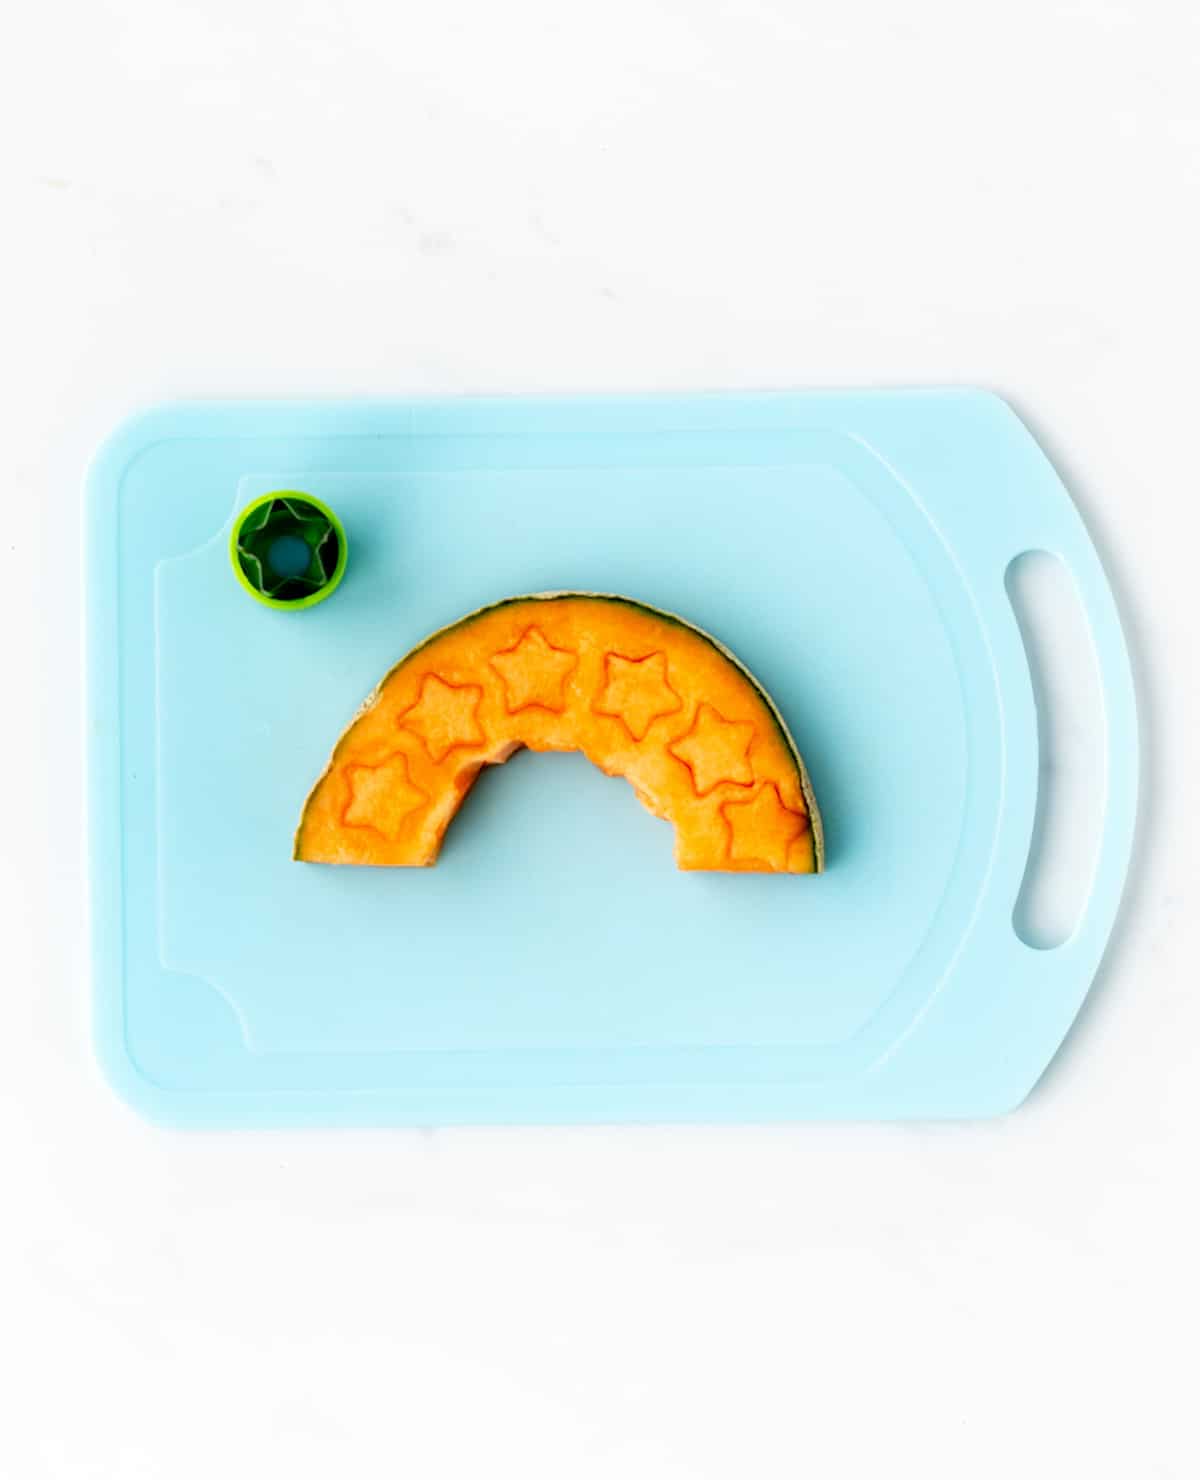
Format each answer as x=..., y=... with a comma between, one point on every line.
x=260, y=197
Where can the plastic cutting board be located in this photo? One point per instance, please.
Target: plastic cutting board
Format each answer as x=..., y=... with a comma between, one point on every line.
x=554, y=966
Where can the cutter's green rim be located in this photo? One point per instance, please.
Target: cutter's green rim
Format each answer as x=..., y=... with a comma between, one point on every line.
x=339, y=569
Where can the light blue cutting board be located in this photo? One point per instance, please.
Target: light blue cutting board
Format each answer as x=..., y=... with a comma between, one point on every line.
x=553, y=966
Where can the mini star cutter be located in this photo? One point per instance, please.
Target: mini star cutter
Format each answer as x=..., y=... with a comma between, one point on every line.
x=288, y=550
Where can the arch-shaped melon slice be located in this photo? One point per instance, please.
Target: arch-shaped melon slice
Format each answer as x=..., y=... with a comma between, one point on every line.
x=641, y=693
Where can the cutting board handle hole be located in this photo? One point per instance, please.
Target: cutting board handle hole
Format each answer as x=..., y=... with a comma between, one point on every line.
x=1069, y=814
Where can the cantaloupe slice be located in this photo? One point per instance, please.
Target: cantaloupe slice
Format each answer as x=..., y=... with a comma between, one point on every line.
x=641, y=693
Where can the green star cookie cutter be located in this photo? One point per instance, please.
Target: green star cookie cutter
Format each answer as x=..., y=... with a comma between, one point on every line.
x=288, y=550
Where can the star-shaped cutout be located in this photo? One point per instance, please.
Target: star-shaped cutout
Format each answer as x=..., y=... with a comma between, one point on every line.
x=444, y=716
x=636, y=692
x=534, y=672
x=382, y=796
x=714, y=750
x=763, y=829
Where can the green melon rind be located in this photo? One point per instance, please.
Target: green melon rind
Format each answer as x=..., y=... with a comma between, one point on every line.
x=810, y=800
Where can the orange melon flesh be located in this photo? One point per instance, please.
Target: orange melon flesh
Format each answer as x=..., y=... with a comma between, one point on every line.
x=641, y=693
